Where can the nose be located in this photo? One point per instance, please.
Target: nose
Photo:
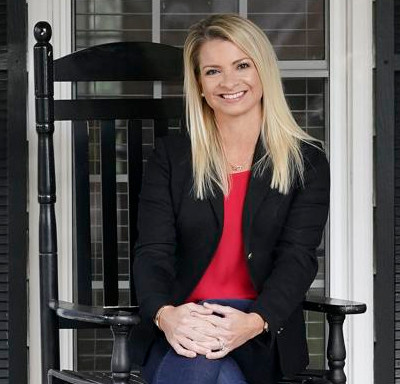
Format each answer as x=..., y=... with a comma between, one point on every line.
x=229, y=80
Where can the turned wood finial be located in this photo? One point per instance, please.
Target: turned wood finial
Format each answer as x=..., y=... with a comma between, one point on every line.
x=42, y=32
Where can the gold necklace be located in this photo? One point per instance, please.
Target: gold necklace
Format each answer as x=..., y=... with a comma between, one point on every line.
x=236, y=168
x=240, y=167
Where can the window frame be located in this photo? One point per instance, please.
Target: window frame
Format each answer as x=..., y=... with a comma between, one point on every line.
x=350, y=271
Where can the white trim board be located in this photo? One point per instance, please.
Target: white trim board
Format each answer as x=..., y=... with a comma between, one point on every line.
x=351, y=156
x=58, y=14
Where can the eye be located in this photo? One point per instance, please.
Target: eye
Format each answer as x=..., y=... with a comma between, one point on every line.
x=243, y=65
x=211, y=72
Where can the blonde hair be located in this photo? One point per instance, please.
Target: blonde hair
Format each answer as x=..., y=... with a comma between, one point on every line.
x=280, y=135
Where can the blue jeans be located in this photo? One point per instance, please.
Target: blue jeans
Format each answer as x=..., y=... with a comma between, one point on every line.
x=165, y=366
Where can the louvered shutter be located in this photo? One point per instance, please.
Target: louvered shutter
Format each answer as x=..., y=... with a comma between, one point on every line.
x=387, y=218
x=13, y=233
x=397, y=192
x=4, y=209
x=4, y=201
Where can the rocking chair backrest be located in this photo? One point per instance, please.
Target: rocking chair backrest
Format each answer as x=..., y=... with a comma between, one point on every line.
x=123, y=62
x=120, y=62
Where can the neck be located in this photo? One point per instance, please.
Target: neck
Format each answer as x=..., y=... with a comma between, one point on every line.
x=239, y=137
x=239, y=132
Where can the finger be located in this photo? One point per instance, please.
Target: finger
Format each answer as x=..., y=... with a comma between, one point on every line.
x=197, y=336
x=182, y=351
x=193, y=346
x=217, y=354
x=198, y=320
x=220, y=309
x=211, y=346
x=199, y=309
x=213, y=332
x=217, y=321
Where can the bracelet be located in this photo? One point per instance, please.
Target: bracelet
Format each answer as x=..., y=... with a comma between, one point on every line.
x=158, y=315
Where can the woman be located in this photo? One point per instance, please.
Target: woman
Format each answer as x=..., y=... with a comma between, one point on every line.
x=229, y=221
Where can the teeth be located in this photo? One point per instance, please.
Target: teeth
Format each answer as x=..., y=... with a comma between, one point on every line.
x=233, y=95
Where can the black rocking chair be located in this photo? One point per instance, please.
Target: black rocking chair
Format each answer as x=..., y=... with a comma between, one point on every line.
x=120, y=62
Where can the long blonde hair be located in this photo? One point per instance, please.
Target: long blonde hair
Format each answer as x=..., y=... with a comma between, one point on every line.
x=280, y=135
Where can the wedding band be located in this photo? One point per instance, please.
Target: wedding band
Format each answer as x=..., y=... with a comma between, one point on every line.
x=221, y=345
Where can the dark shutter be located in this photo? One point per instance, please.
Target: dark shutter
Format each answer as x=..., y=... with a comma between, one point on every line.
x=13, y=230
x=4, y=201
x=4, y=230
x=397, y=227
x=387, y=213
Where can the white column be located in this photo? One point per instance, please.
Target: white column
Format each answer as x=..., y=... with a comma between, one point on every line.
x=338, y=152
x=58, y=14
x=361, y=215
x=351, y=134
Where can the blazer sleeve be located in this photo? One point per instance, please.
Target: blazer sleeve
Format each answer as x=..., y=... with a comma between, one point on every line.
x=154, y=264
x=295, y=261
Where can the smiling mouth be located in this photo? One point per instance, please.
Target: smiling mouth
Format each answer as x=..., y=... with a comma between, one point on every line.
x=233, y=96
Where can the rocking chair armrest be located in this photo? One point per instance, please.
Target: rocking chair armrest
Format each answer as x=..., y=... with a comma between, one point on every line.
x=97, y=315
x=333, y=306
x=120, y=319
x=336, y=311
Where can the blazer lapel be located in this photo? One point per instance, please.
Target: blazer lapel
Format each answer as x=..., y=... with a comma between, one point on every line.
x=217, y=204
x=258, y=189
x=216, y=201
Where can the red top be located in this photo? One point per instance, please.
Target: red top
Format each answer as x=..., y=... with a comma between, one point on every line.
x=227, y=275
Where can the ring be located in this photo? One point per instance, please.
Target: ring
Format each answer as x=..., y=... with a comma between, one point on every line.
x=221, y=345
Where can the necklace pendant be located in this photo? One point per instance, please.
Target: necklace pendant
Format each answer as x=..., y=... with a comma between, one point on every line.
x=237, y=168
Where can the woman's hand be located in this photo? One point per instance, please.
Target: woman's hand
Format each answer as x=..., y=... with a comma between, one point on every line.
x=181, y=326
x=232, y=330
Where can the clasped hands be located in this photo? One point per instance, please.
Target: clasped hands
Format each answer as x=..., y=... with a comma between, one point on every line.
x=212, y=330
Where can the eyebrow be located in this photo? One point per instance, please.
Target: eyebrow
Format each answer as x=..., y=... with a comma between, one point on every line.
x=217, y=66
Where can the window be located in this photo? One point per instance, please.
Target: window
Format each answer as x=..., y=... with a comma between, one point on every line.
x=298, y=31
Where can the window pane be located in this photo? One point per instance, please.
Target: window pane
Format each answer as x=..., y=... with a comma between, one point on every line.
x=178, y=15
x=306, y=100
x=104, y=21
x=295, y=27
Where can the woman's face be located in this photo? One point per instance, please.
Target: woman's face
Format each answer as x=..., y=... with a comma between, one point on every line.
x=229, y=80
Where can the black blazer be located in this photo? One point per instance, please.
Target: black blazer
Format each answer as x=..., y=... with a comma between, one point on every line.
x=179, y=234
